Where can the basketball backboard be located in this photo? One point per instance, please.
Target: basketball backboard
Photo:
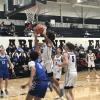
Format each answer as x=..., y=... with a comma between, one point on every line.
x=13, y=6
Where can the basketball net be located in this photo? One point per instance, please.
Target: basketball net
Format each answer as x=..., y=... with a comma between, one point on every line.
x=30, y=13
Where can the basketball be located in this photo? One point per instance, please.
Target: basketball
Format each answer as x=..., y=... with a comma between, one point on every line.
x=39, y=28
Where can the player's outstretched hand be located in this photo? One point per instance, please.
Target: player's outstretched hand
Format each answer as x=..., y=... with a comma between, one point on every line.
x=45, y=30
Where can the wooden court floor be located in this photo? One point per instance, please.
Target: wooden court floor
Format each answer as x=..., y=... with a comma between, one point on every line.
x=85, y=89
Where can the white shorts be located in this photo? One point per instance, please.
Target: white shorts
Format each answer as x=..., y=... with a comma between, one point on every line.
x=70, y=79
x=57, y=72
x=91, y=64
x=48, y=65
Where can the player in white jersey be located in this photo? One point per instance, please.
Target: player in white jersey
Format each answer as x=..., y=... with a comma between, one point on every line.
x=69, y=60
x=57, y=60
x=46, y=57
x=47, y=60
x=71, y=72
x=90, y=59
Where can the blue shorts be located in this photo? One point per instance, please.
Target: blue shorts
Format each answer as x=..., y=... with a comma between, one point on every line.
x=39, y=89
x=4, y=74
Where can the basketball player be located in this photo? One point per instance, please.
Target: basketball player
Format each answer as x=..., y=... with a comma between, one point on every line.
x=90, y=58
x=38, y=82
x=4, y=74
x=69, y=61
x=48, y=62
x=46, y=56
x=57, y=60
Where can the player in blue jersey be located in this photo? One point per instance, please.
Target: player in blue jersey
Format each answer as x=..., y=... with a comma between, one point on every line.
x=4, y=74
x=38, y=82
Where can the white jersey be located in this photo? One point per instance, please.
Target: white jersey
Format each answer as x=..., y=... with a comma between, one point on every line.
x=57, y=60
x=71, y=73
x=91, y=57
x=46, y=58
x=56, y=69
x=47, y=52
x=72, y=62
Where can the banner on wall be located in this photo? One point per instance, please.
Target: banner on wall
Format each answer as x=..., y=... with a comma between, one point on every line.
x=29, y=41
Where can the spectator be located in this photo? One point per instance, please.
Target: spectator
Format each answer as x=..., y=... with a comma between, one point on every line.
x=3, y=29
x=20, y=49
x=11, y=48
x=91, y=47
x=81, y=47
x=25, y=48
x=22, y=59
x=81, y=53
x=12, y=29
x=76, y=47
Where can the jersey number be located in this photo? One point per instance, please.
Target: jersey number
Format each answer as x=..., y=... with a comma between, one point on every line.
x=3, y=62
x=73, y=59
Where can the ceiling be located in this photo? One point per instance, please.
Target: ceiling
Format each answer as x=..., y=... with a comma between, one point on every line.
x=83, y=3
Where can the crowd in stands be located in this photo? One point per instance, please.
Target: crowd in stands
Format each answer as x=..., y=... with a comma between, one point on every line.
x=7, y=30
x=81, y=56
x=20, y=58
x=27, y=29
x=10, y=30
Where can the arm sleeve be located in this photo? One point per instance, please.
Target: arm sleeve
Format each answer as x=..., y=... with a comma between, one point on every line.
x=8, y=57
x=31, y=64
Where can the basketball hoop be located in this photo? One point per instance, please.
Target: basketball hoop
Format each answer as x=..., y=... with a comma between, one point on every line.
x=30, y=13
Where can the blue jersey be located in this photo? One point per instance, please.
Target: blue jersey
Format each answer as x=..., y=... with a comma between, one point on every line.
x=3, y=63
x=40, y=73
x=40, y=81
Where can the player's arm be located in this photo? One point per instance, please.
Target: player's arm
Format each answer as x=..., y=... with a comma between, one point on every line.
x=48, y=41
x=86, y=59
x=10, y=65
x=29, y=83
x=64, y=60
x=94, y=56
x=35, y=39
x=31, y=76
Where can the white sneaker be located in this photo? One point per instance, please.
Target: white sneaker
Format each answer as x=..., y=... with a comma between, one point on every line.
x=57, y=97
x=62, y=98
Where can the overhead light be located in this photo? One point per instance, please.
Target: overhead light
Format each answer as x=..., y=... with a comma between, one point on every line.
x=81, y=1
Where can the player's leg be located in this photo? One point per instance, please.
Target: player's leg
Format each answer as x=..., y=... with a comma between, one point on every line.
x=6, y=86
x=55, y=81
x=50, y=74
x=69, y=84
x=89, y=71
x=29, y=97
x=1, y=84
x=94, y=69
x=96, y=75
x=1, y=87
x=71, y=93
x=6, y=76
x=55, y=84
x=67, y=95
x=37, y=98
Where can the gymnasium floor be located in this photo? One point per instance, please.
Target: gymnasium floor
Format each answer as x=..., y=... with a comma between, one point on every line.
x=86, y=89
